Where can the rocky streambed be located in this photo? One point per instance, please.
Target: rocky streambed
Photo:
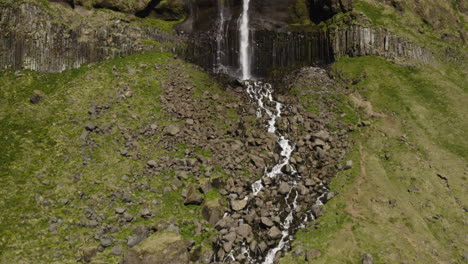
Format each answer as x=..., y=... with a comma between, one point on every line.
x=264, y=215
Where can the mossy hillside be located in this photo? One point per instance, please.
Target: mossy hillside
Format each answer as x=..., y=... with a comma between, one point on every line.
x=394, y=202
x=48, y=176
x=436, y=25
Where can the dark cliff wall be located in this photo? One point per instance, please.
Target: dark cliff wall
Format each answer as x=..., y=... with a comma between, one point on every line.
x=31, y=38
x=278, y=47
x=278, y=52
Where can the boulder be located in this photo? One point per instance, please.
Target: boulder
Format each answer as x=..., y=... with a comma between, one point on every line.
x=193, y=197
x=266, y=221
x=284, y=188
x=312, y=254
x=317, y=210
x=213, y=211
x=161, y=248
x=127, y=6
x=238, y=205
x=274, y=233
x=37, y=96
x=244, y=230
x=172, y=130
x=367, y=259
x=257, y=161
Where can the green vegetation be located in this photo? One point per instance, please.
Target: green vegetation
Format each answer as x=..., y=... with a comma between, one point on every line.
x=300, y=13
x=165, y=25
x=394, y=202
x=436, y=25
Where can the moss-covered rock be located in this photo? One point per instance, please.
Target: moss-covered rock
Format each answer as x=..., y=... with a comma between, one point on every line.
x=171, y=10
x=161, y=248
x=127, y=6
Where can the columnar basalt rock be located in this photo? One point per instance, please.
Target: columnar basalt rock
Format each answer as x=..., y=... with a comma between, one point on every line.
x=32, y=38
x=279, y=52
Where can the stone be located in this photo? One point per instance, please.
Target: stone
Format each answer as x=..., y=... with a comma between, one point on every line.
x=238, y=205
x=172, y=130
x=317, y=210
x=349, y=165
x=120, y=210
x=266, y=221
x=53, y=228
x=312, y=254
x=146, y=213
x=284, y=188
x=88, y=253
x=90, y=127
x=367, y=258
x=106, y=241
x=244, y=230
x=127, y=217
x=163, y=247
x=227, y=246
x=37, y=97
x=323, y=135
x=193, y=197
x=212, y=211
x=257, y=161
x=173, y=228
x=309, y=182
x=274, y=233
x=152, y=163
x=93, y=224
x=117, y=250
x=298, y=252
x=134, y=240
x=319, y=143
x=160, y=225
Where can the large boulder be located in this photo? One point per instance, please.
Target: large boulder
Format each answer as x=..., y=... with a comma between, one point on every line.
x=127, y=6
x=213, y=211
x=160, y=248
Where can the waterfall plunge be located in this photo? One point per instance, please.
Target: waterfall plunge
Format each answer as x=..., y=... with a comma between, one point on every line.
x=244, y=58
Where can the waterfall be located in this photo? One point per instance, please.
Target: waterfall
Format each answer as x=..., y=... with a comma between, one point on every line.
x=244, y=58
x=219, y=67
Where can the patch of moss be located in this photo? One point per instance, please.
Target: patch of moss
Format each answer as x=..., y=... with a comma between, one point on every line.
x=300, y=13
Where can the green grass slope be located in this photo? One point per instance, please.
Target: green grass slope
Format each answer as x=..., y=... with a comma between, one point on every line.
x=404, y=200
x=50, y=178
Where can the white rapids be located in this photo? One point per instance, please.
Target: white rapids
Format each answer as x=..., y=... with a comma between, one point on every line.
x=262, y=95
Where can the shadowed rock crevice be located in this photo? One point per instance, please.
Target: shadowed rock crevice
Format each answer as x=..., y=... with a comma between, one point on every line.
x=321, y=10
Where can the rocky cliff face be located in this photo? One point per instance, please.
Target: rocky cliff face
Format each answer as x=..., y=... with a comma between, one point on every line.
x=277, y=46
x=32, y=38
x=279, y=52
